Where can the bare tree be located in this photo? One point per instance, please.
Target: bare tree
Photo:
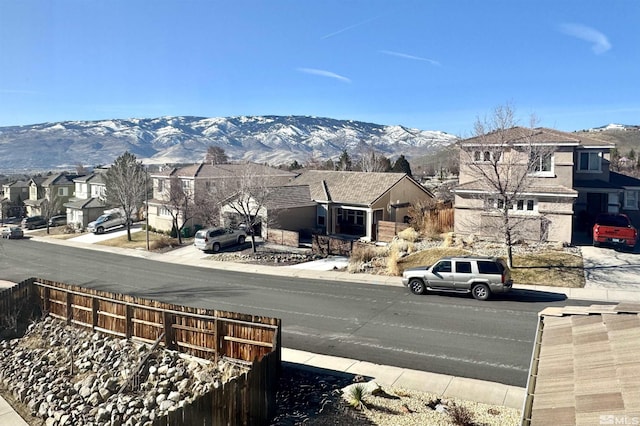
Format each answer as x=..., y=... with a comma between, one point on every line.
x=51, y=207
x=247, y=196
x=216, y=155
x=372, y=161
x=505, y=160
x=125, y=185
x=179, y=201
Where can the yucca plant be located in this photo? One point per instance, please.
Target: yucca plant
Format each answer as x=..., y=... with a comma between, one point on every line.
x=355, y=397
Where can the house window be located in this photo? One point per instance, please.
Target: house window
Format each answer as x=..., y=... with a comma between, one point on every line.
x=163, y=211
x=589, y=161
x=160, y=183
x=485, y=156
x=62, y=192
x=320, y=220
x=186, y=185
x=542, y=164
x=631, y=200
x=519, y=206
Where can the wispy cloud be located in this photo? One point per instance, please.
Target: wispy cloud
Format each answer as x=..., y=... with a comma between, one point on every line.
x=600, y=43
x=350, y=27
x=324, y=73
x=18, y=92
x=412, y=57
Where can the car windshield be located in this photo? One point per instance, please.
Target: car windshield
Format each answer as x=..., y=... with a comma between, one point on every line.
x=102, y=218
x=619, y=221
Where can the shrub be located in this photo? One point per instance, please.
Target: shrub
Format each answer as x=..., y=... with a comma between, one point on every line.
x=409, y=234
x=364, y=253
x=392, y=263
x=356, y=395
x=448, y=240
x=461, y=416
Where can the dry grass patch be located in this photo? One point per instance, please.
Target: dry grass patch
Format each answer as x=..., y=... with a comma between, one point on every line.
x=550, y=268
x=429, y=257
x=139, y=241
x=57, y=232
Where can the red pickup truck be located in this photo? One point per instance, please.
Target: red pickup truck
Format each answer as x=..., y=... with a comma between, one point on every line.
x=614, y=228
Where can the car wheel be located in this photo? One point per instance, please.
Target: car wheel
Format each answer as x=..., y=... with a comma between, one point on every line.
x=100, y=230
x=481, y=292
x=216, y=247
x=417, y=286
x=241, y=239
x=596, y=244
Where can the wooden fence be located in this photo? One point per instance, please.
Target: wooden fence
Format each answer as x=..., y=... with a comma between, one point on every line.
x=283, y=237
x=204, y=333
x=388, y=230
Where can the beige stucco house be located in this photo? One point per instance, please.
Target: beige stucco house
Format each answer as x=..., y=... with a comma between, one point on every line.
x=55, y=189
x=568, y=185
x=352, y=203
x=200, y=182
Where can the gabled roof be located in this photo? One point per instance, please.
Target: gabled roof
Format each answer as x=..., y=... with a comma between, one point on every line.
x=96, y=178
x=17, y=184
x=537, y=136
x=89, y=203
x=585, y=366
x=206, y=170
x=60, y=179
x=360, y=188
x=289, y=196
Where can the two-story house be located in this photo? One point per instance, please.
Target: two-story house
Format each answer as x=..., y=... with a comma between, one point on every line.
x=568, y=182
x=55, y=189
x=199, y=182
x=88, y=201
x=14, y=194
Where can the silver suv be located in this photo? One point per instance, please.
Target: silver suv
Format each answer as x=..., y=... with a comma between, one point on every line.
x=479, y=275
x=213, y=239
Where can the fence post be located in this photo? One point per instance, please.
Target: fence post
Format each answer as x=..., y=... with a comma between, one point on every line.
x=128, y=325
x=94, y=312
x=168, y=335
x=69, y=307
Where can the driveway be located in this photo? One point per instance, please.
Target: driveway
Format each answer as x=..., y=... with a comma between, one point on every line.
x=609, y=268
x=114, y=233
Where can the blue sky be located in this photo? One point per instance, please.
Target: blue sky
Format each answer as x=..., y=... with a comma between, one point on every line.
x=432, y=65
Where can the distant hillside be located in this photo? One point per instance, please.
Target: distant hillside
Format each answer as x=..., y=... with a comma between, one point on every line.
x=274, y=140
x=626, y=137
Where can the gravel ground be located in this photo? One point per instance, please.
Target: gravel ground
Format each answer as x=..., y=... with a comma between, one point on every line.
x=307, y=397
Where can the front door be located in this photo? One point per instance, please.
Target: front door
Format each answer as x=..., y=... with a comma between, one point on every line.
x=597, y=203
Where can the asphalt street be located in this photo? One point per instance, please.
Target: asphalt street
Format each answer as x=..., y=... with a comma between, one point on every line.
x=453, y=335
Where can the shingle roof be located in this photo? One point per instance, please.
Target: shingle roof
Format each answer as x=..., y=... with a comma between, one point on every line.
x=533, y=188
x=586, y=365
x=205, y=170
x=288, y=196
x=538, y=135
x=85, y=203
x=349, y=187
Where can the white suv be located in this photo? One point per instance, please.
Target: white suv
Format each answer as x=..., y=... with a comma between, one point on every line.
x=213, y=239
x=479, y=275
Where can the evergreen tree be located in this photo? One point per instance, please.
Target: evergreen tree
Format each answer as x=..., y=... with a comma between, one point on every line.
x=401, y=166
x=344, y=162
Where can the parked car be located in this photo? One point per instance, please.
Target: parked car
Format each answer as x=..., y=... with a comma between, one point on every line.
x=12, y=232
x=615, y=229
x=479, y=275
x=58, y=220
x=34, y=222
x=213, y=239
x=105, y=222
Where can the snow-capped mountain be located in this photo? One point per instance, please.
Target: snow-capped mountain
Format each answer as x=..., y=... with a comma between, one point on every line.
x=274, y=140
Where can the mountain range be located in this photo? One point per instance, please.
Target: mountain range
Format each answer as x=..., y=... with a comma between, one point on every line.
x=274, y=140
